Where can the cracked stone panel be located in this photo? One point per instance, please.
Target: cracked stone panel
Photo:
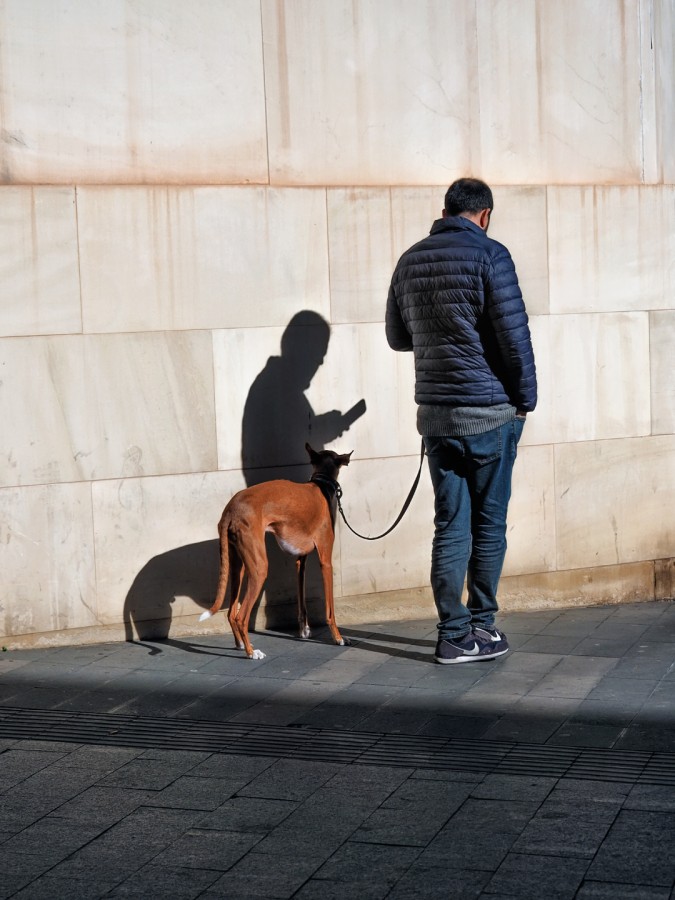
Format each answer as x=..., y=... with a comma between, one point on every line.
x=156, y=544
x=614, y=501
x=200, y=257
x=369, y=229
x=109, y=91
x=611, y=248
x=38, y=264
x=661, y=343
x=48, y=575
x=105, y=406
x=560, y=91
x=386, y=101
x=278, y=388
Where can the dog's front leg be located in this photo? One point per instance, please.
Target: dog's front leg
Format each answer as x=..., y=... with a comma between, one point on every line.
x=303, y=622
x=325, y=559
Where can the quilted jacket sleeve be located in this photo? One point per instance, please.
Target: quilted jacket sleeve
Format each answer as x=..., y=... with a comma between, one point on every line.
x=507, y=313
x=398, y=336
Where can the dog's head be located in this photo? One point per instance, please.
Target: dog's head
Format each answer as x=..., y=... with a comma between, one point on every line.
x=326, y=462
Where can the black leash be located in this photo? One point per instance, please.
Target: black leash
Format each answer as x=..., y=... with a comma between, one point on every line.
x=377, y=537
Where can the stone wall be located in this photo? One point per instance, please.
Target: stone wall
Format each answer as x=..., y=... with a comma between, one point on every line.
x=178, y=181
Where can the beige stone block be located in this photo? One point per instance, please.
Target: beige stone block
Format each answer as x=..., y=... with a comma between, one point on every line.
x=206, y=257
x=660, y=16
x=519, y=222
x=664, y=579
x=598, y=376
x=374, y=493
x=530, y=529
x=369, y=94
x=48, y=573
x=38, y=264
x=270, y=401
x=109, y=91
x=597, y=586
x=539, y=428
x=609, y=247
x=661, y=343
x=157, y=546
x=559, y=91
x=614, y=501
x=106, y=406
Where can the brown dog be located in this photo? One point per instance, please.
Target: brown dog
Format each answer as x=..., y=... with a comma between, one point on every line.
x=302, y=518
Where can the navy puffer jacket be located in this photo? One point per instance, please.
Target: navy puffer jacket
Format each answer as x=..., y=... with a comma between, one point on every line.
x=455, y=301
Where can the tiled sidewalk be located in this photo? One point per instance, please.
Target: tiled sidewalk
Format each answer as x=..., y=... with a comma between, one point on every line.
x=180, y=769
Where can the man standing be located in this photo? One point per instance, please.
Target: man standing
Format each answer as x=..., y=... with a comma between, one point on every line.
x=455, y=302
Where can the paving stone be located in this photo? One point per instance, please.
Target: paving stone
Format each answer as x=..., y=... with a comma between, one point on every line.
x=434, y=880
x=482, y=831
x=551, y=644
x=47, y=887
x=18, y=870
x=102, y=806
x=51, y=838
x=17, y=764
x=467, y=727
x=190, y=792
x=638, y=850
x=651, y=738
x=605, y=890
x=229, y=765
x=527, y=876
x=248, y=814
x=290, y=780
x=265, y=875
x=198, y=849
x=166, y=881
x=413, y=814
x=368, y=871
x=581, y=734
x=514, y=787
x=143, y=774
x=653, y=797
x=562, y=832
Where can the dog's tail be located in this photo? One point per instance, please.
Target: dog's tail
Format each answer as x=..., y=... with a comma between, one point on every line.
x=224, y=574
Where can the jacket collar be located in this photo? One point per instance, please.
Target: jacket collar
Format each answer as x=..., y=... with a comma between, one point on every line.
x=455, y=223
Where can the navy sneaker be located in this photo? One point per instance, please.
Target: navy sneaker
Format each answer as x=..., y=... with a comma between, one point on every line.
x=492, y=635
x=470, y=648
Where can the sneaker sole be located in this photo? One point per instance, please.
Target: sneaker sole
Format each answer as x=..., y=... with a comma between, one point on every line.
x=468, y=659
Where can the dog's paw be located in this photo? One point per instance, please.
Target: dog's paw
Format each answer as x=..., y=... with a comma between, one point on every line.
x=305, y=633
x=257, y=654
x=345, y=642
x=205, y=615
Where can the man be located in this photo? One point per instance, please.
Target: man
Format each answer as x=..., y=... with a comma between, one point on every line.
x=455, y=302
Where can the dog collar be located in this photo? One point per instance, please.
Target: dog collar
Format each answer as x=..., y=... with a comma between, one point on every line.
x=328, y=486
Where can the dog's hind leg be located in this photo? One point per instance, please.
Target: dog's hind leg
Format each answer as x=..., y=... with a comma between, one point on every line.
x=236, y=577
x=303, y=622
x=254, y=560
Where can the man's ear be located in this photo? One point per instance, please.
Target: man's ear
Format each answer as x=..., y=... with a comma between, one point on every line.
x=484, y=218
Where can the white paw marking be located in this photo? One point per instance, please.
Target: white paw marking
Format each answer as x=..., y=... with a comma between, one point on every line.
x=305, y=632
x=258, y=654
x=204, y=616
x=239, y=645
x=341, y=643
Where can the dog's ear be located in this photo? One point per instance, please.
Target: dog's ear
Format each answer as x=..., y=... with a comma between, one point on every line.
x=312, y=453
x=344, y=459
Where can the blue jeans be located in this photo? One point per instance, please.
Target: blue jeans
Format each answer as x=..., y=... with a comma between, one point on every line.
x=472, y=485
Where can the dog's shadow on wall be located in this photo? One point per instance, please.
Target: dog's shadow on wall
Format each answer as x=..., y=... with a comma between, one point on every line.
x=278, y=420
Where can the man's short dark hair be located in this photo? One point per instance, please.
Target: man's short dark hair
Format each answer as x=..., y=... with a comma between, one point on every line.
x=467, y=195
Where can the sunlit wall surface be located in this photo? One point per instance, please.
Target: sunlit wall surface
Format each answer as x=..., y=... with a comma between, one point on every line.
x=191, y=192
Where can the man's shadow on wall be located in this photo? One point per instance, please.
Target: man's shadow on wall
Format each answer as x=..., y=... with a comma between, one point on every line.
x=278, y=420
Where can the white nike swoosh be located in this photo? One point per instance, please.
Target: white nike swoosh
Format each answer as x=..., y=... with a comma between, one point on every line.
x=475, y=650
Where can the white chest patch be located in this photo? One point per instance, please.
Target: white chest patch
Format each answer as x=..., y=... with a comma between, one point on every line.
x=289, y=548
